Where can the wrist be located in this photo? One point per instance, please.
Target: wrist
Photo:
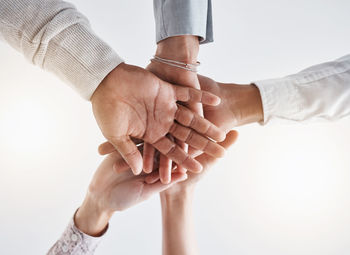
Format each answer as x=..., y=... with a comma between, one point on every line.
x=177, y=198
x=91, y=219
x=183, y=48
x=244, y=103
x=109, y=83
x=255, y=112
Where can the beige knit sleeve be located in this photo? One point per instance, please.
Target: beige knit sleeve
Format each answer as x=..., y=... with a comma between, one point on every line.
x=55, y=36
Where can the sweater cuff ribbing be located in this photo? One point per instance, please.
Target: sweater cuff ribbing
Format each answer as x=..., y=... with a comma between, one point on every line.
x=80, y=58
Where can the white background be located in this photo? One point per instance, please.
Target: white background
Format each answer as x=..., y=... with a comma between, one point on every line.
x=282, y=189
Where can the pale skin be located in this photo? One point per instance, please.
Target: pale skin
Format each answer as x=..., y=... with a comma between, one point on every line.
x=240, y=104
x=132, y=102
x=115, y=188
x=185, y=49
x=176, y=202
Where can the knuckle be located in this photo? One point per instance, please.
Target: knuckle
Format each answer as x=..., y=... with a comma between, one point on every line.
x=171, y=150
x=131, y=154
x=207, y=144
x=173, y=128
x=207, y=129
x=193, y=121
x=189, y=137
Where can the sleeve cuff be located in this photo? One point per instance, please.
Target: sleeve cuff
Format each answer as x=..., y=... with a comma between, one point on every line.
x=175, y=18
x=73, y=241
x=80, y=58
x=279, y=99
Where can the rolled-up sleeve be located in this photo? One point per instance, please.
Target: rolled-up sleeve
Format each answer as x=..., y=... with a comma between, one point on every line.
x=321, y=92
x=56, y=37
x=183, y=17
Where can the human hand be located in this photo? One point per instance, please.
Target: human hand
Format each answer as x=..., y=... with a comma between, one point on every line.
x=114, y=189
x=133, y=103
x=240, y=104
x=185, y=49
x=206, y=160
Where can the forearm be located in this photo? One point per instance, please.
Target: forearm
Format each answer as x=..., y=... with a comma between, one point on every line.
x=319, y=92
x=181, y=48
x=91, y=218
x=245, y=103
x=58, y=38
x=178, y=225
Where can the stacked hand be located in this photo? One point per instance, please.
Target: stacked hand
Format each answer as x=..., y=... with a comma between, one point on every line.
x=133, y=103
x=183, y=49
x=147, y=107
x=113, y=188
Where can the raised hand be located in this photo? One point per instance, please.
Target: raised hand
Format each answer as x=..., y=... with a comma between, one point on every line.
x=176, y=202
x=133, y=103
x=185, y=49
x=114, y=189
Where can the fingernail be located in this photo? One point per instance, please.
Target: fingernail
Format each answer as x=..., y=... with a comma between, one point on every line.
x=200, y=168
x=137, y=171
x=218, y=100
x=222, y=137
x=148, y=180
x=183, y=178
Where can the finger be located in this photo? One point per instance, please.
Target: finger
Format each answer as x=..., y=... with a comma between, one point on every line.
x=120, y=166
x=152, y=177
x=157, y=187
x=148, y=158
x=193, y=120
x=128, y=150
x=207, y=160
x=106, y=148
x=194, y=152
x=175, y=153
x=196, y=140
x=231, y=138
x=183, y=146
x=186, y=94
x=165, y=169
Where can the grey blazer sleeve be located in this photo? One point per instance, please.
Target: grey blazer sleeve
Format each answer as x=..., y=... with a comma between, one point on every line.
x=183, y=17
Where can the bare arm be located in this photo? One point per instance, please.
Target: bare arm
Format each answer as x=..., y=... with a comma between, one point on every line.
x=176, y=202
x=178, y=225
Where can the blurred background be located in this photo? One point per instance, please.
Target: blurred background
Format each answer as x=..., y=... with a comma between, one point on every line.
x=282, y=189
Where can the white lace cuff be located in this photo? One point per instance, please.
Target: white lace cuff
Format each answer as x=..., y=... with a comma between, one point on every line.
x=73, y=241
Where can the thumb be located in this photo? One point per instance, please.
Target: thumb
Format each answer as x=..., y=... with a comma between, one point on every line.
x=230, y=139
x=106, y=148
x=128, y=150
